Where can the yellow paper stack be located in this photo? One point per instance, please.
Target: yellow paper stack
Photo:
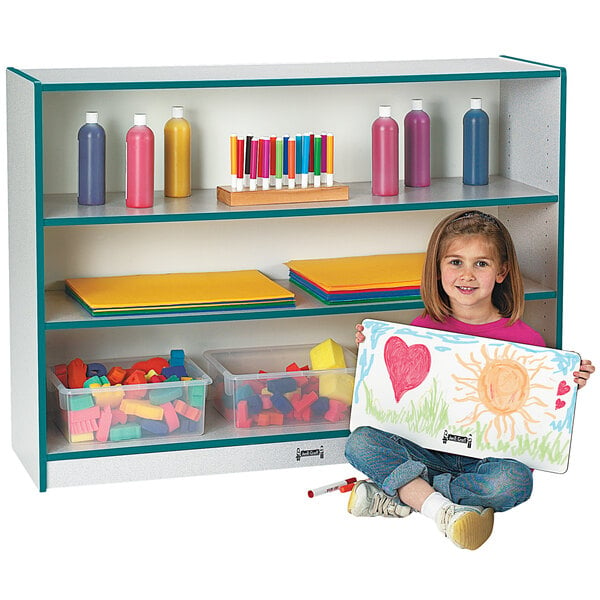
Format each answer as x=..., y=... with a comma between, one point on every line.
x=178, y=292
x=382, y=277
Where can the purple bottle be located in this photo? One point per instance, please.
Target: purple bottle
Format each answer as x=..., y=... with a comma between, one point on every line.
x=384, y=154
x=92, y=158
x=417, y=143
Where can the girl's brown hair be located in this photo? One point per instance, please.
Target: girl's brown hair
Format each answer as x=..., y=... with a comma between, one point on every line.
x=507, y=297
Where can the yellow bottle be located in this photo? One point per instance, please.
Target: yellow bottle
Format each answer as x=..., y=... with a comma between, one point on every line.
x=178, y=182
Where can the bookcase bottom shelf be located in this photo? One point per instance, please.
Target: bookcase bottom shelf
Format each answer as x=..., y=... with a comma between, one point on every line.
x=222, y=449
x=203, y=461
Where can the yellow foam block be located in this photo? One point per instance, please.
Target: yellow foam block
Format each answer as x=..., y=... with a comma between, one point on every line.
x=141, y=408
x=337, y=386
x=327, y=355
x=81, y=437
x=108, y=397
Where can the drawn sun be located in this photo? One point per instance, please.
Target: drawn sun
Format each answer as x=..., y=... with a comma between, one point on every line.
x=502, y=389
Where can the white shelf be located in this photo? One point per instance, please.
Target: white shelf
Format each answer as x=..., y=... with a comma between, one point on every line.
x=62, y=312
x=449, y=192
x=238, y=74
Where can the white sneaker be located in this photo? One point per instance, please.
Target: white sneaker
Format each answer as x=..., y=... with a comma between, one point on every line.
x=367, y=500
x=467, y=526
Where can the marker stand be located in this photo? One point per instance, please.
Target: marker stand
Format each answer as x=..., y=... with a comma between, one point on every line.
x=246, y=197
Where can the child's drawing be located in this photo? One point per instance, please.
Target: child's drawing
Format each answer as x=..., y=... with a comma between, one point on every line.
x=467, y=395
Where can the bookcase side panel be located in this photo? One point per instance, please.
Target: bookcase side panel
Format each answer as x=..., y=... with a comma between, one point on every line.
x=21, y=158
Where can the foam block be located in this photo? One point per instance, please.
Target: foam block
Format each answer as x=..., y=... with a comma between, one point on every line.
x=327, y=355
x=141, y=408
x=129, y=431
x=337, y=386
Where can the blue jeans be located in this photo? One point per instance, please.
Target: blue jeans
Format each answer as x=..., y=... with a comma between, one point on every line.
x=391, y=462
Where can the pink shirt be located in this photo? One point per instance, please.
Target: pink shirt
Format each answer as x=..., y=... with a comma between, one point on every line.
x=518, y=332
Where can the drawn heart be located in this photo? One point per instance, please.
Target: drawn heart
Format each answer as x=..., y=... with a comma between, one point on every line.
x=560, y=403
x=563, y=388
x=407, y=365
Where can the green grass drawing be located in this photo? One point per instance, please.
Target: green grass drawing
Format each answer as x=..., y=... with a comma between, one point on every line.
x=550, y=447
x=429, y=416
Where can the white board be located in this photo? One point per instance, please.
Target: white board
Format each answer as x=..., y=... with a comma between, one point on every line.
x=467, y=395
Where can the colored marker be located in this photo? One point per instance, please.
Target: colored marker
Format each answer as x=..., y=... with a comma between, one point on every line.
x=329, y=159
x=278, y=163
x=253, y=163
x=330, y=488
x=286, y=139
x=233, y=160
x=317, y=162
x=273, y=155
x=298, y=154
x=266, y=162
x=305, y=159
x=324, y=153
x=311, y=157
x=240, y=164
x=291, y=163
x=247, y=160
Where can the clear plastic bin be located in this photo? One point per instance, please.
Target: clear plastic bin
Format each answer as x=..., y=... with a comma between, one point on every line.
x=259, y=387
x=102, y=412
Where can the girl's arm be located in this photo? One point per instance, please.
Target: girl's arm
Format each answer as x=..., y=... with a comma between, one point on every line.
x=585, y=370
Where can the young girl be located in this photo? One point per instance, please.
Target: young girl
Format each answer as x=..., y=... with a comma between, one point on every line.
x=471, y=284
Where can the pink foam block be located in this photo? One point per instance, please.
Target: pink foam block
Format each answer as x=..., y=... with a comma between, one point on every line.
x=118, y=417
x=302, y=406
x=170, y=416
x=76, y=416
x=336, y=411
x=266, y=401
x=104, y=424
x=83, y=427
x=187, y=411
x=241, y=415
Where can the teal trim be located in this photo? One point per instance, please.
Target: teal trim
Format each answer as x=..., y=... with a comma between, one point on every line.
x=41, y=308
x=199, y=445
x=534, y=62
x=561, y=209
x=227, y=83
x=23, y=74
x=291, y=211
x=252, y=315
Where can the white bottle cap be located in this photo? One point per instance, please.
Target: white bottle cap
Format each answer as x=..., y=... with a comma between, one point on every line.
x=91, y=117
x=475, y=102
x=177, y=112
x=139, y=119
x=417, y=104
x=385, y=110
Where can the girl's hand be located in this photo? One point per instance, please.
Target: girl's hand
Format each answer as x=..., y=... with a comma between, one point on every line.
x=359, y=338
x=585, y=370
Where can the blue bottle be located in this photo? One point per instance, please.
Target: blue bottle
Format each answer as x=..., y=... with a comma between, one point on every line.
x=476, y=134
x=92, y=159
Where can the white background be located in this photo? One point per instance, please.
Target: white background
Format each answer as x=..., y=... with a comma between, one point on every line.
x=257, y=534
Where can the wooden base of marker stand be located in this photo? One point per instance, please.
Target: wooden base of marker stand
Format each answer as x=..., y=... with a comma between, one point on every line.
x=283, y=196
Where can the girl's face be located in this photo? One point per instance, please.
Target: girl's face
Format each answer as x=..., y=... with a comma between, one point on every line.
x=469, y=269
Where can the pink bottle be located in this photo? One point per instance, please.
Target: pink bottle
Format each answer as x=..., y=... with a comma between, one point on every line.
x=140, y=164
x=417, y=142
x=384, y=154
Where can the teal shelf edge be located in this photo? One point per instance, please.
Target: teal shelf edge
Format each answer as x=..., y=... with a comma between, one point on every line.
x=279, y=313
x=291, y=211
x=225, y=83
x=198, y=445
